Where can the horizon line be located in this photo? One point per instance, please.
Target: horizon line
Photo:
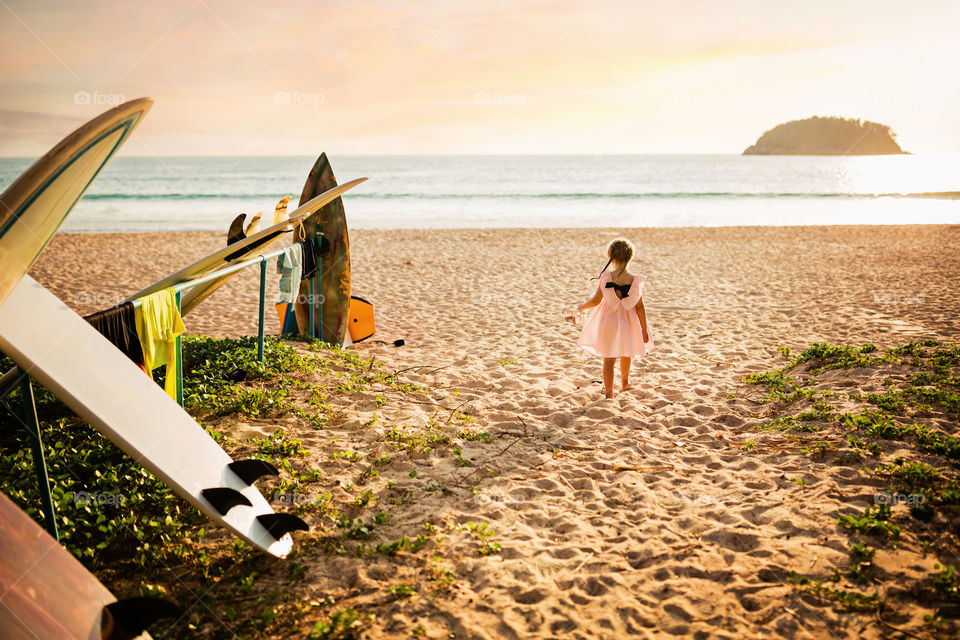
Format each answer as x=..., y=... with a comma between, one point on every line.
x=521, y=155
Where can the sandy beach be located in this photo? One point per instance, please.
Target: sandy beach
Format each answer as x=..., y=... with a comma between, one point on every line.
x=643, y=515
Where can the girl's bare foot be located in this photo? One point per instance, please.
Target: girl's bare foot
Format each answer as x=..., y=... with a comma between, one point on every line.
x=608, y=394
x=626, y=386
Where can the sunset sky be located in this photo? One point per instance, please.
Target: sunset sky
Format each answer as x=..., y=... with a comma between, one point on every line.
x=289, y=78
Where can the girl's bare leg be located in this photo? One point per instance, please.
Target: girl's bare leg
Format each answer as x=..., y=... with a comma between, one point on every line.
x=624, y=374
x=608, y=376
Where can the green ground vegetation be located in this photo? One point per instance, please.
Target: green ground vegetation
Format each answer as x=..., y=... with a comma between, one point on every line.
x=902, y=439
x=139, y=537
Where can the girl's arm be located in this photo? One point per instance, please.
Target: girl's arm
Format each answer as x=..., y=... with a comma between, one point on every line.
x=592, y=302
x=642, y=313
x=589, y=304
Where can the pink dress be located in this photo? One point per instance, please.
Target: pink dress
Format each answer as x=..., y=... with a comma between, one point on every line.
x=613, y=329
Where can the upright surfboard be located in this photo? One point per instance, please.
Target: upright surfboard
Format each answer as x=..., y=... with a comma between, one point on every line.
x=328, y=225
x=237, y=250
x=37, y=203
x=47, y=593
x=91, y=376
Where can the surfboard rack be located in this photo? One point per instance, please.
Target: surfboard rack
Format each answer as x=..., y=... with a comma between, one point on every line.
x=247, y=470
x=321, y=247
x=224, y=498
x=178, y=290
x=251, y=470
x=316, y=324
x=9, y=382
x=279, y=524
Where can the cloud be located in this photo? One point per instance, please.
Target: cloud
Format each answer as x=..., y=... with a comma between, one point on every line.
x=562, y=76
x=22, y=133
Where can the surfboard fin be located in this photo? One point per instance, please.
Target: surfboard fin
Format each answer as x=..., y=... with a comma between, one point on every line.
x=254, y=225
x=224, y=498
x=250, y=470
x=279, y=524
x=236, y=232
x=128, y=618
x=280, y=211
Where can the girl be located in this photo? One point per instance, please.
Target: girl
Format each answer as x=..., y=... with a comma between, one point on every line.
x=618, y=328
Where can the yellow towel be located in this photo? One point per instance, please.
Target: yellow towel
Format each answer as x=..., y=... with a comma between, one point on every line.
x=158, y=325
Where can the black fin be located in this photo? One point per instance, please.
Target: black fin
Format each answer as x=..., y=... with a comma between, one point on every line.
x=223, y=499
x=280, y=523
x=127, y=619
x=250, y=470
x=236, y=229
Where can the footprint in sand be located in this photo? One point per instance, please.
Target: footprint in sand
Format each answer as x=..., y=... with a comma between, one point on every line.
x=599, y=413
x=733, y=540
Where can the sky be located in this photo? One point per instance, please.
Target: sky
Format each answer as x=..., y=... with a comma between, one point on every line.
x=288, y=77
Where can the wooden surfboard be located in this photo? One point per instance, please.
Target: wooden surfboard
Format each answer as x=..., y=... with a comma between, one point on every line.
x=192, y=297
x=329, y=225
x=235, y=251
x=46, y=192
x=47, y=593
x=104, y=387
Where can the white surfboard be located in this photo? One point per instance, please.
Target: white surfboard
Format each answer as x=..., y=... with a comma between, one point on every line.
x=103, y=386
x=37, y=203
x=241, y=248
x=91, y=376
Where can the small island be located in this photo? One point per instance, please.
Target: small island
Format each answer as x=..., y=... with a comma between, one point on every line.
x=829, y=136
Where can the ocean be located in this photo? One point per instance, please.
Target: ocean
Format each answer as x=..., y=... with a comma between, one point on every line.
x=194, y=193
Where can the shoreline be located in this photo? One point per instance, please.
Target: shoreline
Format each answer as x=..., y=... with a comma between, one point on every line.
x=584, y=229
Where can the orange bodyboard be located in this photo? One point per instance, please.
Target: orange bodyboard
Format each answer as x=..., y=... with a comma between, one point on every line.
x=361, y=323
x=288, y=322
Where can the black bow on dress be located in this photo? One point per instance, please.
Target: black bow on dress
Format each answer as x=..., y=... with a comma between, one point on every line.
x=622, y=289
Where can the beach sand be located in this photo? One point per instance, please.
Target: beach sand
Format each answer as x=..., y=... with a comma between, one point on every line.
x=641, y=514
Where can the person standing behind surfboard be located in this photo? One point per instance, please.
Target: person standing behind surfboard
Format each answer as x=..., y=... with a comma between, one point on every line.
x=618, y=328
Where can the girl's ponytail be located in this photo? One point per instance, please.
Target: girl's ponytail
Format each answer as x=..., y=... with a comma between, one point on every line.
x=597, y=277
